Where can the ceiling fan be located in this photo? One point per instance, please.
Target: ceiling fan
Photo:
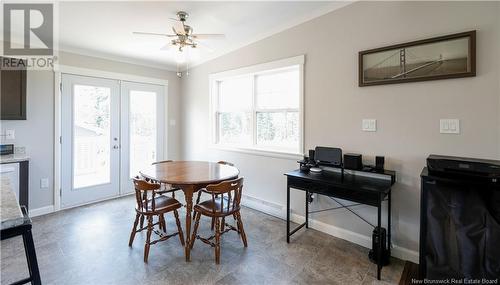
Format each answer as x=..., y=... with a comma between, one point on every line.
x=183, y=35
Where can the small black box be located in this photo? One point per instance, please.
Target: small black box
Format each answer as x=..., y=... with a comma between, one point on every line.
x=353, y=161
x=379, y=163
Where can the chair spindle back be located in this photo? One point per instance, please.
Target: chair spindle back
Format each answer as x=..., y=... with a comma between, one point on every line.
x=145, y=191
x=229, y=193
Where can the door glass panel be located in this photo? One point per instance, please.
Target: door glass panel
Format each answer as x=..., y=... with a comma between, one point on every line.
x=91, y=132
x=142, y=130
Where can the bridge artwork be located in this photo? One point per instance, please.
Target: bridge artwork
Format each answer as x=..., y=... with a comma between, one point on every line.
x=417, y=61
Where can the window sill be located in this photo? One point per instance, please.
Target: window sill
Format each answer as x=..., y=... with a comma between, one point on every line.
x=260, y=152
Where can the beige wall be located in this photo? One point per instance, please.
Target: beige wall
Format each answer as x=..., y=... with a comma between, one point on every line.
x=407, y=114
x=36, y=133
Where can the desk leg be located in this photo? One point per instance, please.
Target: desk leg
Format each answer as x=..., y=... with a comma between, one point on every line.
x=188, y=194
x=389, y=224
x=29, y=248
x=287, y=213
x=307, y=209
x=379, y=223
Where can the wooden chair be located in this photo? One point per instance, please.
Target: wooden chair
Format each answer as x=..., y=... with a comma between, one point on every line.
x=203, y=190
x=226, y=197
x=165, y=188
x=150, y=204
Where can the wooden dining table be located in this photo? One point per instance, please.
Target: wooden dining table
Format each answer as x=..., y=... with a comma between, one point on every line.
x=190, y=177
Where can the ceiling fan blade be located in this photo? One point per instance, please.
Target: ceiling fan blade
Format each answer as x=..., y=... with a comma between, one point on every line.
x=153, y=34
x=207, y=47
x=209, y=36
x=179, y=28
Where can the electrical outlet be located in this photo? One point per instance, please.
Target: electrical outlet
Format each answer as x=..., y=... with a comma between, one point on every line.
x=10, y=134
x=44, y=183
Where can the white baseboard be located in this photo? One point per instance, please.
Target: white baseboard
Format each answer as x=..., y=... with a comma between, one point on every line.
x=279, y=211
x=269, y=208
x=41, y=211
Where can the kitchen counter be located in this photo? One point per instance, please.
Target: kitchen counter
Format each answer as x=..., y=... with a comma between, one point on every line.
x=11, y=158
x=10, y=212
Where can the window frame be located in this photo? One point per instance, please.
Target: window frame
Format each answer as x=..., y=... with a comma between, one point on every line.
x=253, y=72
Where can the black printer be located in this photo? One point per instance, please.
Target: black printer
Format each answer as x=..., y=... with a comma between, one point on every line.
x=441, y=165
x=460, y=219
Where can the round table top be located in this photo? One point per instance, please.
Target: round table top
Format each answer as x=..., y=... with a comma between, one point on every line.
x=190, y=172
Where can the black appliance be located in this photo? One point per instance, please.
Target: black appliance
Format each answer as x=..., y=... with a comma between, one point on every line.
x=379, y=236
x=379, y=163
x=6, y=149
x=328, y=155
x=460, y=219
x=473, y=167
x=353, y=161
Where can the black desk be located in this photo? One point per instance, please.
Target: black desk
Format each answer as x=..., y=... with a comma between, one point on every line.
x=356, y=188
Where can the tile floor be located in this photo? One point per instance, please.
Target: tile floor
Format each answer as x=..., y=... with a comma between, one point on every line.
x=88, y=245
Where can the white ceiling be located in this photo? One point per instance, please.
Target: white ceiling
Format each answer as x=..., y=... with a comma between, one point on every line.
x=104, y=29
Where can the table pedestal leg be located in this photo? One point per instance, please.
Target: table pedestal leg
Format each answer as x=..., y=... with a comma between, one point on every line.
x=188, y=194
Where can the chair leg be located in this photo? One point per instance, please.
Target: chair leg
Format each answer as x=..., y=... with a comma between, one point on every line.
x=240, y=228
x=163, y=223
x=223, y=224
x=142, y=222
x=213, y=224
x=148, y=239
x=197, y=216
x=217, y=240
x=134, y=230
x=197, y=201
x=179, y=228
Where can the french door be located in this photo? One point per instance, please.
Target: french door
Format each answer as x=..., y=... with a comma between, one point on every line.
x=142, y=129
x=110, y=130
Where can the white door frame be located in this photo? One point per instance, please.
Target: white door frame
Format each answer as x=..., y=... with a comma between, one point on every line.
x=58, y=70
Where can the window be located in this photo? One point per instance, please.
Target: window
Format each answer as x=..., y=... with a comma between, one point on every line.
x=259, y=108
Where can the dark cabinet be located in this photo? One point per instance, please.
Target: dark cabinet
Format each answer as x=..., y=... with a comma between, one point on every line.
x=12, y=94
x=459, y=228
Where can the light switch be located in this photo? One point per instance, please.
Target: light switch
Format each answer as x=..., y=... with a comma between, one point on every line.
x=10, y=134
x=449, y=126
x=369, y=125
x=44, y=183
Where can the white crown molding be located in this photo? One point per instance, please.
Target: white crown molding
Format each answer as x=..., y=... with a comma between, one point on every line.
x=290, y=24
x=117, y=58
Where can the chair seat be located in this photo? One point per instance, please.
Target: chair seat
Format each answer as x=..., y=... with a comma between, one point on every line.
x=162, y=204
x=207, y=208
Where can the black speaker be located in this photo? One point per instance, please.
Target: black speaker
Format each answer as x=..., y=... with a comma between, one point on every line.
x=379, y=236
x=311, y=155
x=353, y=161
x=379, y=163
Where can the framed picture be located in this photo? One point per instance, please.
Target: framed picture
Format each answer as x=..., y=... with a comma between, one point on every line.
x=450, y=56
